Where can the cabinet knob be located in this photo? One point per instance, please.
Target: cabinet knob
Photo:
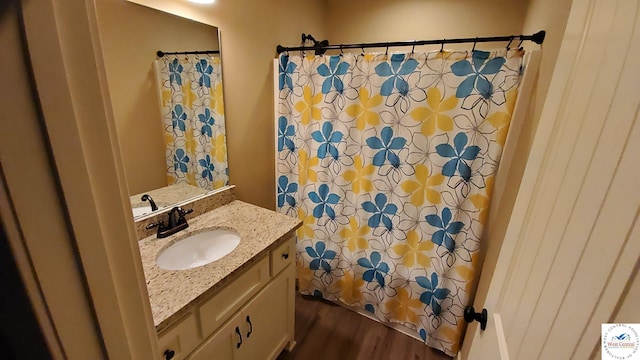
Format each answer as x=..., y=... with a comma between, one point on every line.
x=285, y=256
x=169, y=354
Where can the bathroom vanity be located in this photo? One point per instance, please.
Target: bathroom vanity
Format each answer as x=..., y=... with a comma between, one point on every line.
x=238, y=307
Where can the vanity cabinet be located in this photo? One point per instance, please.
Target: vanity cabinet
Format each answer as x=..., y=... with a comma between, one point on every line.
x=251, y=318
x=260, y=330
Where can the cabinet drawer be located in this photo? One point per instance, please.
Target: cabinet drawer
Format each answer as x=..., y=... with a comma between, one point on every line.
x=283, y=255
x=181, y=338
x=215, y=311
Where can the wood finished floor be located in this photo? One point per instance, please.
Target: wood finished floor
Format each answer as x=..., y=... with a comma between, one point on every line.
x=325, y=331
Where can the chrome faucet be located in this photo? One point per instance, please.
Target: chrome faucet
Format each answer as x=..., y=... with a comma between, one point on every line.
x=176, y=222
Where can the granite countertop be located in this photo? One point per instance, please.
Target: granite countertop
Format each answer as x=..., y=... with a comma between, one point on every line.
x=170, y=292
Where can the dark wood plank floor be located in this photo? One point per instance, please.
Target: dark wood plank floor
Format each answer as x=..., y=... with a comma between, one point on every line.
x=325, y=331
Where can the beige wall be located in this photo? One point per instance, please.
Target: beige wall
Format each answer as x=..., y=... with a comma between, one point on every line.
x=357, y=21
x=251, y=30
x=130, y=35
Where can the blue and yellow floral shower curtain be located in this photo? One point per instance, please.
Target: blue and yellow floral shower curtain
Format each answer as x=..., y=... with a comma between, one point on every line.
x=193, y=116
x=389, y=161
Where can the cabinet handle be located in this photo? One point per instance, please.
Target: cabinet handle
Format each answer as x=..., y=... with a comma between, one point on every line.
x=169, y=354
x=250, y=326
x=239, y=337
x=285, y=256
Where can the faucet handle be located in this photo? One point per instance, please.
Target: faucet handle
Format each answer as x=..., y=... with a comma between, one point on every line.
x=184, y=212
x=159, y=224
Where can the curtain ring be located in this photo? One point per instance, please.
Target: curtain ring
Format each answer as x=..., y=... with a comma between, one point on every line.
x=520, y=43
x=510, y=41
x=474, y=45
x=442, y=45
x=341, y=51
x=413, y=48
x=362, y=47
x=386, y=53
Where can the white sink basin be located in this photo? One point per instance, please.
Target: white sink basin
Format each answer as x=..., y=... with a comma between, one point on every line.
x=198, y=249
x=141, y=210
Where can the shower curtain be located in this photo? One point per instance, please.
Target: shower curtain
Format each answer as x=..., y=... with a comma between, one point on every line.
x=193, y=117
x=389, y=162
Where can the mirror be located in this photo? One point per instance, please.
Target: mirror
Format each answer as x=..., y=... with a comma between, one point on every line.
x=169, y=112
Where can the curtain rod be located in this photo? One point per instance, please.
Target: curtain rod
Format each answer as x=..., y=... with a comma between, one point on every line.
x=161, y=53
x=538, y=38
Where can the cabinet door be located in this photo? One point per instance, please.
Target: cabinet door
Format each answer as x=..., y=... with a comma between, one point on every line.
x=178, y=341
x=223, y=344
x=265, y=320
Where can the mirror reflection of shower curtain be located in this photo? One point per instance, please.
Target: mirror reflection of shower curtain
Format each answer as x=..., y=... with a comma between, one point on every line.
x=190, y=89
x=389, y=161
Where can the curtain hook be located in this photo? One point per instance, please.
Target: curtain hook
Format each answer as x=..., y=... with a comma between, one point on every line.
x=442, y=45
x=413, y=48
x=520, y=43
x=510, y=41
x=362, y=47
x=474, y=44
x=386, y=53
x=341, y=51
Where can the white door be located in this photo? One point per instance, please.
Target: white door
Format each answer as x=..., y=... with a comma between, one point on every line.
x=573, y=239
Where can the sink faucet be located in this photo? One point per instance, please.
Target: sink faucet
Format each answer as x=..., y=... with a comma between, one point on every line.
x=176, y=217
x=176, y=222
x=146, y=197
